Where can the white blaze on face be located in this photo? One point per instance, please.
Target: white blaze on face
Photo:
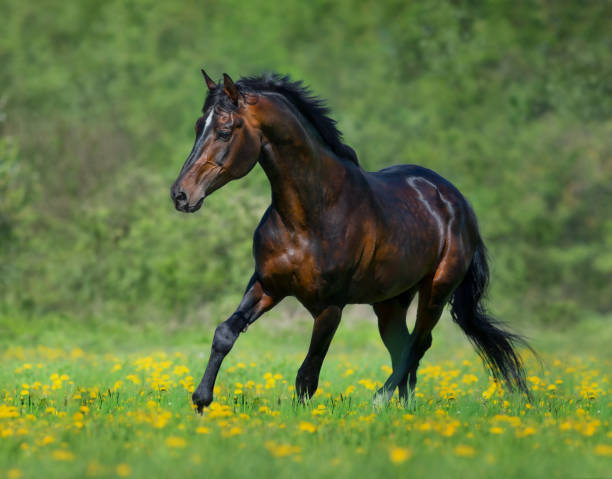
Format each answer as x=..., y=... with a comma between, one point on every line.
x=208, y=122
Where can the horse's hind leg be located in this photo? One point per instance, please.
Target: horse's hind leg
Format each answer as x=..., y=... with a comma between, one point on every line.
x=432, y=300
x=391, y=316
x=434, y=294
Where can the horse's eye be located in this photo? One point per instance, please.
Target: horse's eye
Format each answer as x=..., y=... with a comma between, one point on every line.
x=224, y=135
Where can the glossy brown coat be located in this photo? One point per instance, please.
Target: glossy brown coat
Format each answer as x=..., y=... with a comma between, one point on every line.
x=335, y=234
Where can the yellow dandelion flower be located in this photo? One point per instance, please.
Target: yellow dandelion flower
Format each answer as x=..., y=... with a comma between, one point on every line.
x=603, y=450
x=13, y=474
x=397, y=455
x=180, y=370
x=133, y=378
x=496, y=430
x=202, y=430
x=464, y=450
x=528, y=431
x=234, y=431
x=123, y=470
x=320, y=410
x=307, y=426
x=349, y=390
x=281, y=450
x=62, y=455
x=175, y=442
x=449, y=429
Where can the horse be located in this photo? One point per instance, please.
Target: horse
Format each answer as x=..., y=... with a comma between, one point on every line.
x=335, y=234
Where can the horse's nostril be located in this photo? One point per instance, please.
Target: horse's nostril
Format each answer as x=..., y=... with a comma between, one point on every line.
x=180, y=196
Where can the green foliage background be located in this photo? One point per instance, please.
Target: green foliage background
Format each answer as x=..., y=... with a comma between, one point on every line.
x=511, y=101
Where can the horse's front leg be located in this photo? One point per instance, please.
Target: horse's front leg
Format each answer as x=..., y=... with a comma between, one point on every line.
x=254, y=303
x=325, y=325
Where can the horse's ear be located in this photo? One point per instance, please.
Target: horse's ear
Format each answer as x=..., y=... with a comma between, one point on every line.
x=209, y=82
x=230, y=89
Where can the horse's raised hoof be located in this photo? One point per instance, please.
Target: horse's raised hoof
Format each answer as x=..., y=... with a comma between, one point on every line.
x=201, y=400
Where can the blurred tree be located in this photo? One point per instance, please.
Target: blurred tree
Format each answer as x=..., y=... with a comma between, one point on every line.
x=510, y=101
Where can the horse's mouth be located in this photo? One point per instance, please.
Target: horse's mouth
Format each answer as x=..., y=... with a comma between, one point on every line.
x=196, y=207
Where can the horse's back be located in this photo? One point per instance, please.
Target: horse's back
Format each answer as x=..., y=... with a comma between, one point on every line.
x=408, y=173
x=419, y=185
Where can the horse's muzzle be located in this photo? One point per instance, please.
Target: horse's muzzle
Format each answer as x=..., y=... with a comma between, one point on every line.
x=181, y=202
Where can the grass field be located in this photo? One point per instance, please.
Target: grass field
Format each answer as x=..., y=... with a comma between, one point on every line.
x=96, y=404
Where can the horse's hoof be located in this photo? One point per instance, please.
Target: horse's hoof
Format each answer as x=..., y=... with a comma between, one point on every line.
x=201, y=400
x=382, y=397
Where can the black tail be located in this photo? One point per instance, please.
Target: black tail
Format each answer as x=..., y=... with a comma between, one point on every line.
x=494, y=345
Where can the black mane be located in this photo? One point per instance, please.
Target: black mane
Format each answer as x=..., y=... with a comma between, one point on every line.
x=313, y=108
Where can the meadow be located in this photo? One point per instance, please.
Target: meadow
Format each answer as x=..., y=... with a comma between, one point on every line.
x=125, y=411
x=109, y=297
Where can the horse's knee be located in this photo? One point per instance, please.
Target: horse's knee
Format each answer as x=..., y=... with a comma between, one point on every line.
x=224, y=338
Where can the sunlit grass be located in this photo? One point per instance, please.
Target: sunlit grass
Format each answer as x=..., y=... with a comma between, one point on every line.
x=73, y=413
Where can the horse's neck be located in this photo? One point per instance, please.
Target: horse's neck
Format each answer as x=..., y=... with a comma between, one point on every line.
x=305, y=181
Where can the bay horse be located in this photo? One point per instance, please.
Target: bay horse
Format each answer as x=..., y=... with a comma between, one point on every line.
x=335, y=234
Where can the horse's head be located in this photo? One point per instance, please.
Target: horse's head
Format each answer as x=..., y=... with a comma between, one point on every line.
x=227, y=146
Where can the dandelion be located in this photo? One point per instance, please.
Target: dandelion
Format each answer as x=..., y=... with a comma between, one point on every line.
x=281, y=450
x=62, y=455
x=603, y=450
x=123, y=470
x=175, y=442
x=496, y=430
x=528, y=431
x=320, y=410
x=397, y=455
x=234, y=431
x=349, y=390
x=368, y=384
x=202, y=430
x=133, y=378
x=180, y=370
x=307, y=426
x=464, y=451
x=449, y=429
x=469, y=379
x=8, y=411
